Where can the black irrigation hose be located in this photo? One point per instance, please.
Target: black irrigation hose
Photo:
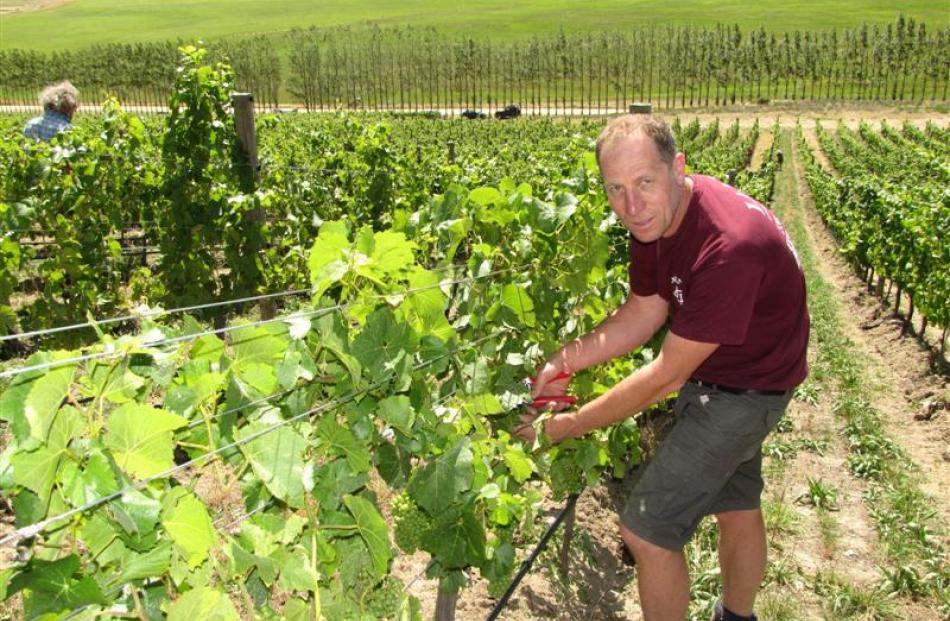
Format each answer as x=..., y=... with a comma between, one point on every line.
x=528, y=562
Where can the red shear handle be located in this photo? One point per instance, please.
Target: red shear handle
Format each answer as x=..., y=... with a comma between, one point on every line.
x=540, y=402
x=560, y=376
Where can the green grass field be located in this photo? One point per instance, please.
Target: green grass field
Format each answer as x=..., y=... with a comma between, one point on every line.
x=79, y=23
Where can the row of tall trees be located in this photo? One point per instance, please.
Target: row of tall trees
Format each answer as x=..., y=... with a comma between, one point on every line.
x=415, y=69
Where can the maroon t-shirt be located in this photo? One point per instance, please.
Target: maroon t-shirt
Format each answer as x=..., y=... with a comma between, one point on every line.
x=731, y=276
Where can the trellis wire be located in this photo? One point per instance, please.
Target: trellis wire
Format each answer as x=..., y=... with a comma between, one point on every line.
x=162, y=312
x=32, y=530
x=318, y=312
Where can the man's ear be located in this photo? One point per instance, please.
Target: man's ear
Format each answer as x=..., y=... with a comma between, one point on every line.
x=679, y=166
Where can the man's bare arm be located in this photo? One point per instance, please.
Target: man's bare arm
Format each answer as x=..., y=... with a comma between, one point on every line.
x=677, y=361
x=629, y=327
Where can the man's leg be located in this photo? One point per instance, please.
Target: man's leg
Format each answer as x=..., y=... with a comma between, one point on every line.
x=662, y=579
x=742, y=556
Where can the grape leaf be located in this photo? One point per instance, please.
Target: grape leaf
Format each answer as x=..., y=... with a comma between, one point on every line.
x=33, y=398
x=203, y=604
x=457, y=541
x=382, y=342
x=277, y=457
x=437, y=486
x=137, y=566
x=328, y=257
x=372, y=528
x=516, y=299
x=263, y=344
x=190, y=527
x=37, y=469
x=398, y=413
x=140, y=438
x=343, y=442
x=54, y=586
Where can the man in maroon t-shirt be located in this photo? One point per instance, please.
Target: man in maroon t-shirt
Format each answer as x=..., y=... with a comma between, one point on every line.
x=721, y=267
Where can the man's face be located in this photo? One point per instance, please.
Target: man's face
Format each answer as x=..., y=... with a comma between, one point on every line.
x=646, y=193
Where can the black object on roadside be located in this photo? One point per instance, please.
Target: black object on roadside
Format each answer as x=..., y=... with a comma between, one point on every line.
x=510, y=111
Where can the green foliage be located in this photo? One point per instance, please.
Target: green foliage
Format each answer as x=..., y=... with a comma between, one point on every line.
x=431, y=303
x=199, y=213
x=526, y=54
x=887, y=210
x=203, y=603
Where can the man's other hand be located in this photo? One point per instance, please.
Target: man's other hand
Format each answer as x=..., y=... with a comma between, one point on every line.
x=558, y=427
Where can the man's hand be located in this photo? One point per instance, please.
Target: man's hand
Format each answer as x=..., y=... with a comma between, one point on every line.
x=552, y=380
x=558, y=427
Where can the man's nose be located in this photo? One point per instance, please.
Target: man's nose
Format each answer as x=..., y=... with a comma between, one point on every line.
x=633, y=202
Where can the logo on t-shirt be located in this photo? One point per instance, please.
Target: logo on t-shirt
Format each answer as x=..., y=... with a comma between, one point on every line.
x=676, y=281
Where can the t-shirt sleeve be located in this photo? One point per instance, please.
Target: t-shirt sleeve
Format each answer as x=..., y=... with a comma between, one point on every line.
x=643, y=268
x=718, y=306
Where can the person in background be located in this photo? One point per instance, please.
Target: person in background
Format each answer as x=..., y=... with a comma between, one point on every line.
x=59, y=103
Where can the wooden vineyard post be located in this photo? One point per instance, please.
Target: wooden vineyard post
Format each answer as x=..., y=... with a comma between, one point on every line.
x=244, y=125
x=445, y=604
x=564, y=556
x=250, y=173
x=909, y=322
x=943, y=344
x=451, y=152
x=126, y=260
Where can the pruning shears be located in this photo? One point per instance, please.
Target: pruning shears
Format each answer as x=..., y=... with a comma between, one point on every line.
x=540, y=403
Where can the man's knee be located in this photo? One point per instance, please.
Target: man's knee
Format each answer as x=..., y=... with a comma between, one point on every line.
x=739, y=520
x=642, y=549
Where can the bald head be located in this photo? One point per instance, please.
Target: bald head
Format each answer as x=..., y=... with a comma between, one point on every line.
x=630, y=125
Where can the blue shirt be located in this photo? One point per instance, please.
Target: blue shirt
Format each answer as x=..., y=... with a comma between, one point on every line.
x=46, y=126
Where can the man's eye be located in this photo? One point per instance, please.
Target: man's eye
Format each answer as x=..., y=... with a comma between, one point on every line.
x=613, y=188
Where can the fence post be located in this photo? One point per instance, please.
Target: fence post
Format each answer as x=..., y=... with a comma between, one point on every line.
x=244, y=124
x=249, y=174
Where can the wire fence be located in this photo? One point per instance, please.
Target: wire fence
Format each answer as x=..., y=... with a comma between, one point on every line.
x=297, y=315
x=27, y=532
x=425, y=72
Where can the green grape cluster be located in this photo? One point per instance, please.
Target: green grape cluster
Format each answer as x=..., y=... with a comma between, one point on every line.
x=566, y=477
x=497, y=587
x=383, y=602
x=411, y=523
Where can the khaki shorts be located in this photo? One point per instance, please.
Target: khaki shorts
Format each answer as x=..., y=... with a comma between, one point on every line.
x=710, y=462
